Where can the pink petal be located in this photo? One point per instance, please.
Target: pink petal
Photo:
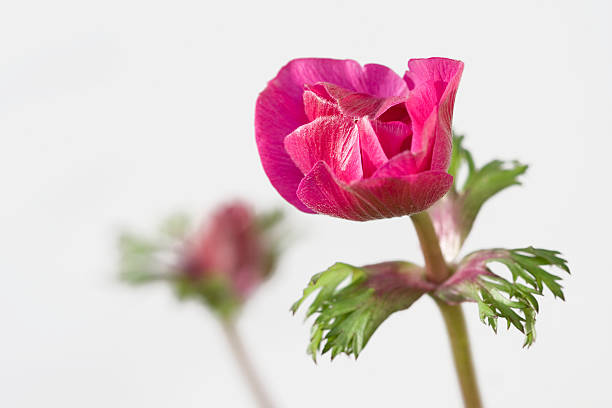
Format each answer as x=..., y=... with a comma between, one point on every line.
x=372, y=154
x=357, y=105
x=331, y=139
x=394, y=137
x=383, y=82
x=433, y=83
x=318, y=102
x=277, y=115
x=430, y=135
x=432, y=69
x=321, y=191
x=403, y=164
x=404, y=195
x=372, y=198
x=321, y=91
x=396, y=113
x=280, y=110
x=245, y=280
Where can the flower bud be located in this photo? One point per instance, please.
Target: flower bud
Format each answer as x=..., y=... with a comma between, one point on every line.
x=221, y=263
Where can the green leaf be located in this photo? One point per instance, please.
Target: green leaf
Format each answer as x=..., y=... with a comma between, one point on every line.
x=484, y=183
x=460, y=156
x=139, y=257
x=175, y=226
x=512, y=300
x=273, y=235
x=137, y=263
x=215, y=291
x=455, y=213
x=351, y=303
x=531, y=259
x=269, y=219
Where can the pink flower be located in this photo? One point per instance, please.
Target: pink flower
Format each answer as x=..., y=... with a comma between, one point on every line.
x=355, y=142
x=230, y=246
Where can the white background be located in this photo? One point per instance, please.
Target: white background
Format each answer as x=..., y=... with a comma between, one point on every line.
x=115, y=114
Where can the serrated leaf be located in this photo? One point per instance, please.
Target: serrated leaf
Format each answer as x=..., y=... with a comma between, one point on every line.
x=454, y=215
x=351, y=303
x=515, y=300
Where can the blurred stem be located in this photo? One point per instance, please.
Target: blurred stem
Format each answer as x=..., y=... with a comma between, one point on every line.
x=460, y=345
x=237, y=347
x=437, y=270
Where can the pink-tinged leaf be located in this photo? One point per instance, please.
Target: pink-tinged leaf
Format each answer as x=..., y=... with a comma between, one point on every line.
x=372, y=154
x=454, y=215
x=372, y=198
x=331, y=139
x=515, y=299
x=446, y=217
x=394, y=276
x=348, y=315
x=473, y=266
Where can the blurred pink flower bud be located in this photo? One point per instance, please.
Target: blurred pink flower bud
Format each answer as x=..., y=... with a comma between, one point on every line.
x=228, y=245
x=221, y=263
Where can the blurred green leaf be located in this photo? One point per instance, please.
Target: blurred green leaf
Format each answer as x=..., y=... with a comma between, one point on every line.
x=137, y=263
x=214, y=291
x=176, y=226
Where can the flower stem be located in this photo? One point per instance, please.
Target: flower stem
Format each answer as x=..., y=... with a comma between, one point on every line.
x=437, y=270
x=237, y=347
x=460, y=345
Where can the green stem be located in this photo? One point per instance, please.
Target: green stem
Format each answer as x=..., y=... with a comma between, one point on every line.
x=235, y=342
x=460, y=345
x=436, y=269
